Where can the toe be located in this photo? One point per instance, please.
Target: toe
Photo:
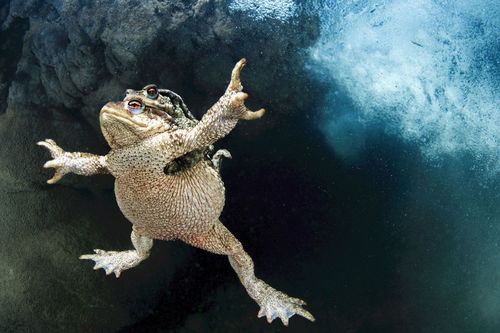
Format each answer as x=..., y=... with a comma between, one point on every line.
x=283, y=314
x=86, y=256
x=251, y=115
x=50, y=164
x=235, y=83
x=56, y=178
x=98, y=265
x=51, y=145
x=270, y=316
x=303, y=312
x=297, y=301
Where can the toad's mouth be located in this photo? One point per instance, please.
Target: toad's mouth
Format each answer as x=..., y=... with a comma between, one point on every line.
x=121, y=117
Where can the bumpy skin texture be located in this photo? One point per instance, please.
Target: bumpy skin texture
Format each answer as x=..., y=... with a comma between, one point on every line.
x=173, y=105
x=165, y=100
x=184, y=205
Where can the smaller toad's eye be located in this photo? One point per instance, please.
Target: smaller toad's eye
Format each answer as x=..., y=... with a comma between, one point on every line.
x=135, y=107
x=152, y=92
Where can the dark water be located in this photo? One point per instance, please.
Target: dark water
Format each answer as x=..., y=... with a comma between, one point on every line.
x=371, y=188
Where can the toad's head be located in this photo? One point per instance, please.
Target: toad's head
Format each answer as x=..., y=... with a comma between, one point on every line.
x=132, y=121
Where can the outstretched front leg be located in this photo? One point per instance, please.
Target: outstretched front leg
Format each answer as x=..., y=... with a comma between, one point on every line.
x=221, y=118
x=118, y=261
x=273, y=303
x=80, y=163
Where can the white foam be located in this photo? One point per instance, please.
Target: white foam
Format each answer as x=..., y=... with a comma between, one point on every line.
x=428, y=69
x=260, y=10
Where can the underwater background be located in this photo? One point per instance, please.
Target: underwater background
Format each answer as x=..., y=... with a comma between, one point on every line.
x=370, y=188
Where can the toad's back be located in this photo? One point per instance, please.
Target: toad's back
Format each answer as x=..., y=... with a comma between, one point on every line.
x=170, y=206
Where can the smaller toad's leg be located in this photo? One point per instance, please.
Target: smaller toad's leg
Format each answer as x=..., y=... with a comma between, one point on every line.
x=273, y=303
x=116, y=262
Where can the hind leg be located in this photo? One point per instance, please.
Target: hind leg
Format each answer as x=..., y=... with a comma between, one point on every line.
x=118, y=261
x=273, y=303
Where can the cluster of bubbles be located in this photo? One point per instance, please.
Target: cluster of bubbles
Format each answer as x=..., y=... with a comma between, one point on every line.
x=426, y=70
x=281, y=10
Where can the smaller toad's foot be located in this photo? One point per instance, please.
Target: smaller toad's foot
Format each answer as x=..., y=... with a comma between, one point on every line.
x=217, y=158
x=274, y=303
x=114, y=261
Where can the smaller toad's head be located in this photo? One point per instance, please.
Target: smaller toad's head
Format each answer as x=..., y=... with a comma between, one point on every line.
x=151, y=96
x=132, y=121
x=164, y=100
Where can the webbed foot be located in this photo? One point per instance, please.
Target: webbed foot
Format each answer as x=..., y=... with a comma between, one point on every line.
x=114, y=261
x=274, y=303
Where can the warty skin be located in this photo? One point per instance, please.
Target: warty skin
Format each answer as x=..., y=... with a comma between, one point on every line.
x=164, y=206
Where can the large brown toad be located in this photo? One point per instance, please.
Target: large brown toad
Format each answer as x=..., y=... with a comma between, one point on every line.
x=183, y=205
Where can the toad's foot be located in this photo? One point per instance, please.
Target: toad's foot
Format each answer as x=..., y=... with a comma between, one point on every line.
x=114, y=261
x=59, y=162
x=274, y=303
x=80, y=163
x=217, y=158
x=237, y=96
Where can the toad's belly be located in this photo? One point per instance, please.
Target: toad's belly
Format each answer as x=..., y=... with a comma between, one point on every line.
x=170, y=206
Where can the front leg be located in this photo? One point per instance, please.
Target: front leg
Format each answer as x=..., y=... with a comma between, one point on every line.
x=221, y=118
x=79, y=163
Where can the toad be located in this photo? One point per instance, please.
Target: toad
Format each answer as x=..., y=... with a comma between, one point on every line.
x=145, y=138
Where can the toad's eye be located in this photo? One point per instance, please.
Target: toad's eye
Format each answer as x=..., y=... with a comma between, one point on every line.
x=135, y=107
x=152, y=92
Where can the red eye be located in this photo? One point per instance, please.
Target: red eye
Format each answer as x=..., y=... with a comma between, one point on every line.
x=152, y=92
x=135, y=107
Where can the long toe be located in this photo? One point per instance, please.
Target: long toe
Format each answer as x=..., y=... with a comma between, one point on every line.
x=277, y=304
x=113, y=261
